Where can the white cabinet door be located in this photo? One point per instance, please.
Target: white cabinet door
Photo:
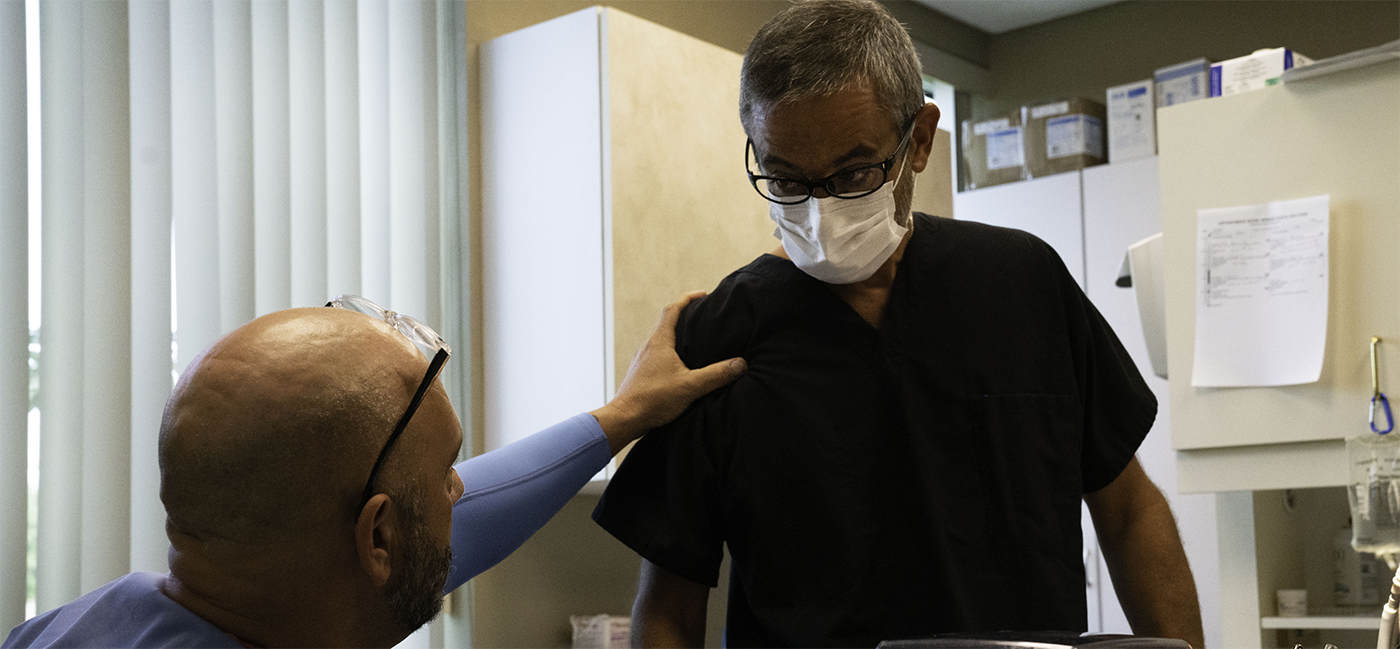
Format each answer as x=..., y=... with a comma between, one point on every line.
x=1047, y=207
x=542, y=249
x=1121, y=207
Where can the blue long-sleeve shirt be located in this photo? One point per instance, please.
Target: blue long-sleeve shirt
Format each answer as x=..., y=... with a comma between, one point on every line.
x=513, y=491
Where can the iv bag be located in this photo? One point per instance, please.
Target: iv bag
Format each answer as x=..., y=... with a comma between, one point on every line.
x=1373, y=491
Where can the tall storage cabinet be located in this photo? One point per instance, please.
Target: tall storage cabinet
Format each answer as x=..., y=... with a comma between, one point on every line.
x=1336, y=134
x=611, y=183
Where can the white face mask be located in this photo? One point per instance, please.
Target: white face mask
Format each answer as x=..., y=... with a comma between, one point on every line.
x=840, y=240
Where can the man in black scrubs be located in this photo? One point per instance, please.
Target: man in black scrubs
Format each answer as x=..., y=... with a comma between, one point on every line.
x=927, y=400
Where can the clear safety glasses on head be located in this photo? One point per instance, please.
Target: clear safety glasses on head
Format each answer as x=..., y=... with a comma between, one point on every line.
x=428, y=341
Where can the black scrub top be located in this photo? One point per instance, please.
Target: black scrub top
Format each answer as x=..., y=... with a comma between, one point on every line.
x=872, y=484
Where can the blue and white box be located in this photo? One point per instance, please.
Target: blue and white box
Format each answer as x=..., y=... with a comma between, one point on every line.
x=1006, y=148
x=1071, y=135
x=1183, y=82
x=1132, y=122
x=1258, y=70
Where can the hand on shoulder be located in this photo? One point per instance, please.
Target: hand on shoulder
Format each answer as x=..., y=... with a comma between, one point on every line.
x=658, y=386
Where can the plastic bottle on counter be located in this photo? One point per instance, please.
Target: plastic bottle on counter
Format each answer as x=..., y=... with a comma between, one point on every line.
x=1358, y=577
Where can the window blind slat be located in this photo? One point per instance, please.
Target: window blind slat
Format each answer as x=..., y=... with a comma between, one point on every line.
x=61, y=368
x=271, y=172
x=14, y=331
x=194, y=177
x=233, y=92
x=151, y=365
x=342, y=149
x=454, y=271
x=306, y=69
x=411, y=81
x=106, y=495
x=373, y=30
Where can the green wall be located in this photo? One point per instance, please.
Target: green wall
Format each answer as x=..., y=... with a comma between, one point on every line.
x=1085, y=54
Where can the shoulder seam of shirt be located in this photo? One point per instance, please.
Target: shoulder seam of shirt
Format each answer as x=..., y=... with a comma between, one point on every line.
x=751, y=269
x=486, y=491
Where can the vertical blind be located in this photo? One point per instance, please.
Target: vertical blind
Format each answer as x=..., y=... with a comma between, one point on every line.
x=14, y=292
x=228, y=159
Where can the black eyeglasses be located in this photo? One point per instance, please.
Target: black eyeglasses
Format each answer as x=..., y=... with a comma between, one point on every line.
x=852, y=183
x=428, y=341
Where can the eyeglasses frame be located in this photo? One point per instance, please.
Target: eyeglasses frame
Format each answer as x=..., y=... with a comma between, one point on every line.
x=826, y=183
x=439, y=358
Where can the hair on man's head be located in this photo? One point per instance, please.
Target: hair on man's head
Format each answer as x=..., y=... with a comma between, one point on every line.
x=820, y=47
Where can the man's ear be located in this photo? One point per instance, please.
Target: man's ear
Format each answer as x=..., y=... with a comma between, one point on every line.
x=376, y=535
x=921, y=141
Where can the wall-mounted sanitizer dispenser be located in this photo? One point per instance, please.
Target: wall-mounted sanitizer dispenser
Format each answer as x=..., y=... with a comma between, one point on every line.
x=1142, y=270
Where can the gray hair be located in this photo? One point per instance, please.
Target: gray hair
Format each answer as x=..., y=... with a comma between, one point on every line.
x=820, y=47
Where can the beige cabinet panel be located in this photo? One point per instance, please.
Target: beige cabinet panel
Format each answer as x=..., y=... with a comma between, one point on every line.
x=683, y=214
x=1338, y=135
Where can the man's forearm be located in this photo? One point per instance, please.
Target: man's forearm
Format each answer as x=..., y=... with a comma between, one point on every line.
x=670, y=610
x=1153, y=578
x=1143, y=550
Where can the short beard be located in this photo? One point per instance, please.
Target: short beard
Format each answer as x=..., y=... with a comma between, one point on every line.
x=415, y=596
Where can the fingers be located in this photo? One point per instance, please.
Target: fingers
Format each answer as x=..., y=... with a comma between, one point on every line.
x=671, y=313
x=665, y=331
x=716, y=375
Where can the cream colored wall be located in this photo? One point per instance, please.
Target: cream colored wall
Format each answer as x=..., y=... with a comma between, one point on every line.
x=933, y=192
x=570, y=567
x=1085, y=54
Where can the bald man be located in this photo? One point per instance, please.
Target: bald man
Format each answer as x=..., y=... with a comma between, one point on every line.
x=266, y=446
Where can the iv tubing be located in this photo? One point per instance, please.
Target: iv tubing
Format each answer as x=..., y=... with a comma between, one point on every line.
x=1388, y=630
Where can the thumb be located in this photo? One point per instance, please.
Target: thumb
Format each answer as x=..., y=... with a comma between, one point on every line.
x=716, y=375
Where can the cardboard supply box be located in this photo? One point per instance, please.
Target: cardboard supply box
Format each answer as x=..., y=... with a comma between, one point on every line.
x=1258, y=70
x=1183, y=82
x=994, y=151
x=1064, y=136
x=1132, y=122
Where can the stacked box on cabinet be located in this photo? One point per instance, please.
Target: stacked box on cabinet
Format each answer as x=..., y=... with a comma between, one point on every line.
x=1258, y=70
x=1132, y=130
x=1183, y=82
x=994, y=150
x=1064, y=136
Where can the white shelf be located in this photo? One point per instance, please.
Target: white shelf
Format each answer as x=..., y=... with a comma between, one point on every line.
x=1358, y=622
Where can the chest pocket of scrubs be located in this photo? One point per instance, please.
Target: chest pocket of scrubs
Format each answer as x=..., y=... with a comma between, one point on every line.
x=1028, y=448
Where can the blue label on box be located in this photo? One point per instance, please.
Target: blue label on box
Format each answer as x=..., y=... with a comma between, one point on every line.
x=1178, y=71
x=1137, y=92
x=1215, y=80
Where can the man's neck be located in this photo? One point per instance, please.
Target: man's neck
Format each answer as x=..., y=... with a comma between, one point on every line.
x=262, y=609
x=869, y=297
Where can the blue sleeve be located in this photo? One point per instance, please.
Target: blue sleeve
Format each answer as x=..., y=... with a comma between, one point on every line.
x=513, y=491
